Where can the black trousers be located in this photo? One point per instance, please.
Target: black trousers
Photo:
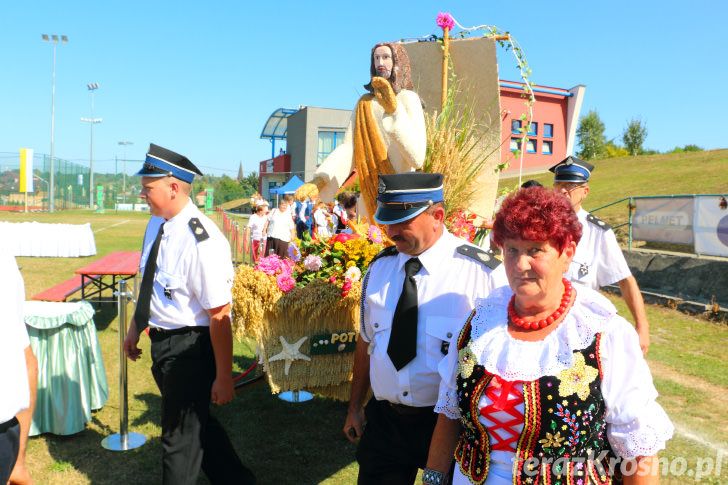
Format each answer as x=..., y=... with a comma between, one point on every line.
x=9, y=446
x=395, y=443
x=184, y=370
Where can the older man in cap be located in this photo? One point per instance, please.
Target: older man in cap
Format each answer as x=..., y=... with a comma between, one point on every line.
x=184, y=299
x=416, y=297
x=598, y=260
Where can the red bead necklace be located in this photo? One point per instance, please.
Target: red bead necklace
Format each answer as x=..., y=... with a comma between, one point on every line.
x=544, y=322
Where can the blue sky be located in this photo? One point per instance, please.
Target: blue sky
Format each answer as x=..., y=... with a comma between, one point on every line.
x=201, y=78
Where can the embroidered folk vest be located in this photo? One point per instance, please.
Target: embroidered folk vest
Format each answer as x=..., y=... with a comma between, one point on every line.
x=564, y=437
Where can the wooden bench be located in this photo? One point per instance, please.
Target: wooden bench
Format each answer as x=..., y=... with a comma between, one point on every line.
x=62, y=290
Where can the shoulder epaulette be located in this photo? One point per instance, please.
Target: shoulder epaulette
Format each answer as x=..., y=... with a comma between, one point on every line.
x=477, y=254
x=598, y=222
x=198, y=230
x=388, y=251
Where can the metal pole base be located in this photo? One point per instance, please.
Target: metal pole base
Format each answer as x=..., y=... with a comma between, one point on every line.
x=295, y=396
x=115, y=443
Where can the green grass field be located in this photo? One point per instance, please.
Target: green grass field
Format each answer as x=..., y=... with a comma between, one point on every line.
x=303, y=443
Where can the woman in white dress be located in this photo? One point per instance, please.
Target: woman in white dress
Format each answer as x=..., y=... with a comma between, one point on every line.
x=545, y=383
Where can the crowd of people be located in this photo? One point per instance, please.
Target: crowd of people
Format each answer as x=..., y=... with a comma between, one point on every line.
x=271, y=231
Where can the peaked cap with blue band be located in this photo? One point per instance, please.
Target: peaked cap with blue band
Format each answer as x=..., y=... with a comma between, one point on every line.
x=571, y=169
x=403, y=196
x=161, y=162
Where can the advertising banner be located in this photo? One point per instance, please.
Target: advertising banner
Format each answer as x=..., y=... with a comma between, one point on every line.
x=711, y=226
x=666, y=219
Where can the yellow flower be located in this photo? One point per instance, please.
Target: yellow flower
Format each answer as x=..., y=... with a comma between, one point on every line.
x=577, y=379
x=552, y=441
x=466, y=362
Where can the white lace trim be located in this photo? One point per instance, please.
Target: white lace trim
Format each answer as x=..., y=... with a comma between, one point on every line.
x=513, y=359
x=644, y=436
x=447, y=404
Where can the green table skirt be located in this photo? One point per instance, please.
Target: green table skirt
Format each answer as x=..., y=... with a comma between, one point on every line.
x=71, y=374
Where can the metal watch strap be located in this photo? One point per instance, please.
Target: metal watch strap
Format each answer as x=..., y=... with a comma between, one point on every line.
x=433, y=477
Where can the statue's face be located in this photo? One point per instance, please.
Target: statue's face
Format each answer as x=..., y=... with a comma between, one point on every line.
x=383, y=62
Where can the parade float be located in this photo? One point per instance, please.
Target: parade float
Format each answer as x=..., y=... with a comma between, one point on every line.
x=303, y=311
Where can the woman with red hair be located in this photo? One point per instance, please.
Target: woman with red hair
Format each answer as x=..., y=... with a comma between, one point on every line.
x=545, y=384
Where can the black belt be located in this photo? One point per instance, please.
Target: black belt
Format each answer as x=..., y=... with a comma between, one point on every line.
x=407, y=410
x=178, y=331
x=8, y=424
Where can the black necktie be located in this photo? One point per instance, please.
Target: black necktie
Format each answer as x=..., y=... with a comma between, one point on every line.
x=141, y=314
x=403, y=338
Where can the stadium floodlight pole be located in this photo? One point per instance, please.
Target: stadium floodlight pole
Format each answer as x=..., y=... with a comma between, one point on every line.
x=92, y=121
x=125, y=144
x=53, y=39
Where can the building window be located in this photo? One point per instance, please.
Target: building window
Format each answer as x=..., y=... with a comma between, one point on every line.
x=547, y=147
x=533, y=129
x=516, y=126
x=515, y=144
x=548, y=130
x=531, y=146
x=327, y=142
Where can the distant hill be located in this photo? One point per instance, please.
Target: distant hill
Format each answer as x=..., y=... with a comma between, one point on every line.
x=704, y=172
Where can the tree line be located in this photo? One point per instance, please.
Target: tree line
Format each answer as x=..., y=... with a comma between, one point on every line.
x=594, y=144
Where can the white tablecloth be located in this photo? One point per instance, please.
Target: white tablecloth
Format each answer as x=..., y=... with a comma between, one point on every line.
x=48, y=240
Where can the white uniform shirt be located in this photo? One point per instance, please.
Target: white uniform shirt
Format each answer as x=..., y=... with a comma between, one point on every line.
x=447, y=286
x=598, y=260
x=14, y=390
x=191, y=276
x=256, y=224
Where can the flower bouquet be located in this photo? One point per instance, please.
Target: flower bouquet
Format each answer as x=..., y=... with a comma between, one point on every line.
x=303, y=311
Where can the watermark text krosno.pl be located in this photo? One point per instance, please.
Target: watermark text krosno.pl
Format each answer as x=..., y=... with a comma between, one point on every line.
x=679, y=466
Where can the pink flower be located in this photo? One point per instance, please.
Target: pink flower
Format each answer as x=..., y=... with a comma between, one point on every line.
x=286, y=266
x=285, y=281
x=332, y=279
x=445, y=20
x=345, y=288
x=312, y=262
x=375, y=234
x=269, y=265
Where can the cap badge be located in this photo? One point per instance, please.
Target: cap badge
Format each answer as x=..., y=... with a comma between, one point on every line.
x=382, y=187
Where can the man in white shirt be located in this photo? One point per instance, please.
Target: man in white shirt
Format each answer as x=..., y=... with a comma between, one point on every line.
x=599, y=260
x=402, y=342
x=184, y=299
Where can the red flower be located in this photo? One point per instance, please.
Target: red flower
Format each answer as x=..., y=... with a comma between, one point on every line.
x=342, y=238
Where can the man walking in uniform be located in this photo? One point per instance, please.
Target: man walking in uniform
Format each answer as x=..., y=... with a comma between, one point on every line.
x=416, y=297
x=184, y=299
x=598, y=260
